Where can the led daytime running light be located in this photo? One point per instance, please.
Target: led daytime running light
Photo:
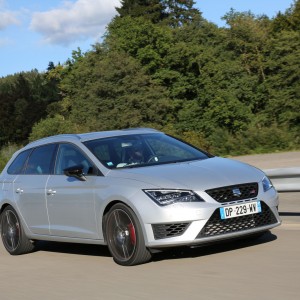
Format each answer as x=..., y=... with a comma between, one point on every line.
x=166, y=197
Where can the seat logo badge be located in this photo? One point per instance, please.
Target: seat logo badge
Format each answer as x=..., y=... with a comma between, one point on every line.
x=236, y=192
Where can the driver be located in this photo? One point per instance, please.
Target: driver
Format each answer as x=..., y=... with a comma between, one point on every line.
x=136, y=155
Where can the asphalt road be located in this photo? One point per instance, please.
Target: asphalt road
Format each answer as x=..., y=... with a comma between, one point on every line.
x=268, y=268
x=272, y=161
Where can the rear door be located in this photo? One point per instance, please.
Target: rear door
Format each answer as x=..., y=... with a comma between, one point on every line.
x=29, y=189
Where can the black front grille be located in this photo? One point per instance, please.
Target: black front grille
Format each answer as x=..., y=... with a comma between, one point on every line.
x=216, y=226
x=162, y=231
x=234, y=192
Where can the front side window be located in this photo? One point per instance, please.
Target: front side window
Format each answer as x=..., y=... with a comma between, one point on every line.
x=142, y=150
x=40, y=160
x=68, y=156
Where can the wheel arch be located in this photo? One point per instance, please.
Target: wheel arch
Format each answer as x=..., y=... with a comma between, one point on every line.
x=106, y=210
x=110, y=205
x=24, y=244
x=140, y=252
x=4, y=205
x=20, y=216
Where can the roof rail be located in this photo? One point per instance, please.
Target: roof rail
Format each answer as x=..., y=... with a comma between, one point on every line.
x=69, y=135
x=140, y=128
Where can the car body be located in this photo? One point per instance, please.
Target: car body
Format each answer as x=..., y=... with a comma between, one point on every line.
x=135, y=190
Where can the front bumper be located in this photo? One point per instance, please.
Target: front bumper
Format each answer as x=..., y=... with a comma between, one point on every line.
x=209, y=227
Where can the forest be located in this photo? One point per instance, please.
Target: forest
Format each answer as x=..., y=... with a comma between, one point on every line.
x=229, y=90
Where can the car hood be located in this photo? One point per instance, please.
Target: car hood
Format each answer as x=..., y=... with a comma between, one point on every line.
x=195, y=175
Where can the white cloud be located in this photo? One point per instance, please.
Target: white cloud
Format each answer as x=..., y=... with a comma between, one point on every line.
x=74, y=21
x=8, y=18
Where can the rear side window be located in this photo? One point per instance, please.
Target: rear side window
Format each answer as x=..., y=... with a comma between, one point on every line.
x=17, y=166
x=40, y=160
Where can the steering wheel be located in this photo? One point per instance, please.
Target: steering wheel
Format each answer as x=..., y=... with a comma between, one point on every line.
x=152, y=158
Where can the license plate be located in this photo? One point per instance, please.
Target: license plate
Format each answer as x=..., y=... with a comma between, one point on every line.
x=234, y=211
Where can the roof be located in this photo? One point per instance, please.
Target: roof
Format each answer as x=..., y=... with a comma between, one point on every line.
x=82, y=137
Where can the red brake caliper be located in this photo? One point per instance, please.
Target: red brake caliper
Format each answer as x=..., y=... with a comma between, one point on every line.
x=132, y=234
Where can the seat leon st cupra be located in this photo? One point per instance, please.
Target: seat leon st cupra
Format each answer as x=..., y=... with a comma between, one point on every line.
x=137, y=191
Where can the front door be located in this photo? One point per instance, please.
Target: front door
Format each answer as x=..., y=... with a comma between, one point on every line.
x=70, y=201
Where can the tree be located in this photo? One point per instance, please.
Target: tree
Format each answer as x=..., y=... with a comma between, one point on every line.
x=235, y=89
x=180, y=12
x=110, y=90
x=284, y=79
x=247, y=36
x=174, y=13
x=24, y=98
x=290, y=20
x=152, y=10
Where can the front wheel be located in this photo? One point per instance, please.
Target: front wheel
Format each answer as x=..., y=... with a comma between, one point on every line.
x=14, y=239
x=125, y=237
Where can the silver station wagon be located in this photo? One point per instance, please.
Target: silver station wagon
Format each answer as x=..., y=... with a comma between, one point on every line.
x=137, y=191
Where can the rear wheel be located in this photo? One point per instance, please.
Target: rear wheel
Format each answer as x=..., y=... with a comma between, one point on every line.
x=125, y=237
x=14, y=239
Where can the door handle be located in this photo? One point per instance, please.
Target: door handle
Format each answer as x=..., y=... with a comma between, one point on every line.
x=19, y=191
x=51, y=192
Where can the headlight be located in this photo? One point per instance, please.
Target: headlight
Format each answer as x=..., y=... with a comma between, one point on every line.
x=267, y=184
x=166, y=197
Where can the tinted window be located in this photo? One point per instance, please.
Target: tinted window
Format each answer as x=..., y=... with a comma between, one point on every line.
x=171, y=147
x=40, y=160
x=17, y=166
x=69, y=156
x=142, y=150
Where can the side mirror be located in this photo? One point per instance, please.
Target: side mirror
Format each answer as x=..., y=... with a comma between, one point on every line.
x=75, y=171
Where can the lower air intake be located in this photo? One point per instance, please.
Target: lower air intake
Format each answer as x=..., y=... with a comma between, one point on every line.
x=162, y=231
x=216, y=226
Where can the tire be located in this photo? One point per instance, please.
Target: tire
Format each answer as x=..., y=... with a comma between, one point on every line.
x=124, y=237
x=13, y=237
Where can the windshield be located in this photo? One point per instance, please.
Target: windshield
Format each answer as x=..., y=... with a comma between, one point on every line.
x=142, y=150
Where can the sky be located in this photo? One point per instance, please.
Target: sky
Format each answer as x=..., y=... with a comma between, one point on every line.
x=35, y=32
